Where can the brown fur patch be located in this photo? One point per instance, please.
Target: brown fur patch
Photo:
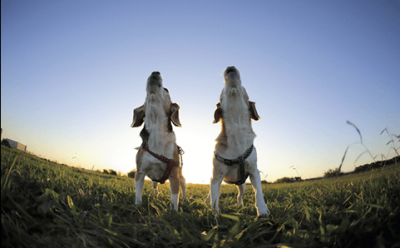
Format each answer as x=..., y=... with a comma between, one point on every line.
x=138, y=116
x=174, y=177
x=217, y=114
x=222, y=139
x=174, y=112
x=174, y=180
x=180, y=173
x=253, y=111
x=176, y=154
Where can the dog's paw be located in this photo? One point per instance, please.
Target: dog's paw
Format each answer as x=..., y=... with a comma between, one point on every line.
x=262, y=210
x=263, y=215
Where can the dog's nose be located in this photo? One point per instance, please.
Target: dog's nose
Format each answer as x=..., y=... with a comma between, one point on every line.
x=230, y=69
x=155, y=73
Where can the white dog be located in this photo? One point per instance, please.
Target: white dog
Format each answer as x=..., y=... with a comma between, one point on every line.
x=235, y=156
x=158, y=156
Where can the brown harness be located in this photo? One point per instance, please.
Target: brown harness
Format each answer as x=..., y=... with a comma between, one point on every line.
x=170, y=162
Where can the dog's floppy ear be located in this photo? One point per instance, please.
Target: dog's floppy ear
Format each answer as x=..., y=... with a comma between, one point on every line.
x=138, y=116
x=253, y=111
x=217, y=113
x=175, y=114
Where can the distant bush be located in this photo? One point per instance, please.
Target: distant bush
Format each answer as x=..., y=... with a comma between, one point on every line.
x=112, y=172
x=132, y=174
x=376, y=165
x=284, y=180
x=332, y=173
x=6, y=143
x=288, y=180
x=105, y=171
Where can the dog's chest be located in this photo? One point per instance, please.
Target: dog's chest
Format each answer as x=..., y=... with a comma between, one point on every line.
x=152, y=167
x=160, y=142
x=236, y=118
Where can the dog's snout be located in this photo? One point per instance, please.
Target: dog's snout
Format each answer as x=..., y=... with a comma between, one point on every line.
x=230, y=69
x=154, y=81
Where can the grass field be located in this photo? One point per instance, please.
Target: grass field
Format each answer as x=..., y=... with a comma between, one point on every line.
x=44, y=204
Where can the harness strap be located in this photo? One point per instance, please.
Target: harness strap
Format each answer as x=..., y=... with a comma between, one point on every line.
x=240, y=161
x=170, y=163
x=180, y=152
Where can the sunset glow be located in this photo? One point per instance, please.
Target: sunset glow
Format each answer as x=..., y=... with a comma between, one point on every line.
x=73, y=71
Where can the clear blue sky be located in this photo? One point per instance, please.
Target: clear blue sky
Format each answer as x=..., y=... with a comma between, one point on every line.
x=73, y=71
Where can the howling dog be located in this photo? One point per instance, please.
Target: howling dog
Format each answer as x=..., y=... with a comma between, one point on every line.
x=158, y=156
x=235, y=157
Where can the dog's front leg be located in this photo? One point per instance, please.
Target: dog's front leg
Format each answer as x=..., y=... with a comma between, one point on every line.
x=215, y=191
x=174, y=188
x=241, y=189
x=139, y=182
x=262, y=209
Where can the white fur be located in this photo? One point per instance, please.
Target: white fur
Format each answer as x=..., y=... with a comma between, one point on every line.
x=240, y=136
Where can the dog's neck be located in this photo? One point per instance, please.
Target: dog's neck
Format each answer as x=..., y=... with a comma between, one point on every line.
x=157, y=126
x=236, y=120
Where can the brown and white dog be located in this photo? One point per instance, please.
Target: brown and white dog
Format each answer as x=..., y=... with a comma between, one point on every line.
x=158, y=138
x=235, y=143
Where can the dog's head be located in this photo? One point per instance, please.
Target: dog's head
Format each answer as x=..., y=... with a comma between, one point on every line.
x=232, y=77
x=233, y=86
x=154, y=86
x=157, y=93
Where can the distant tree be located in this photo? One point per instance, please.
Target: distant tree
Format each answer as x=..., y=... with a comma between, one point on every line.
x=132, y=174
x=264, y=182
x=284, y=180
x=331, y=173
x=297, y=179
x=112, y=172
x=106, y=171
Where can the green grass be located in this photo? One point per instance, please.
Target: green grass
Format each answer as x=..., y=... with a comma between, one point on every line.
x=44, y=204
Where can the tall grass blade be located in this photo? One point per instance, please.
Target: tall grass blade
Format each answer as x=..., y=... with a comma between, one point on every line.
x=358, y=130
x=210, y=234
x=8, y=175
x=341, y=163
